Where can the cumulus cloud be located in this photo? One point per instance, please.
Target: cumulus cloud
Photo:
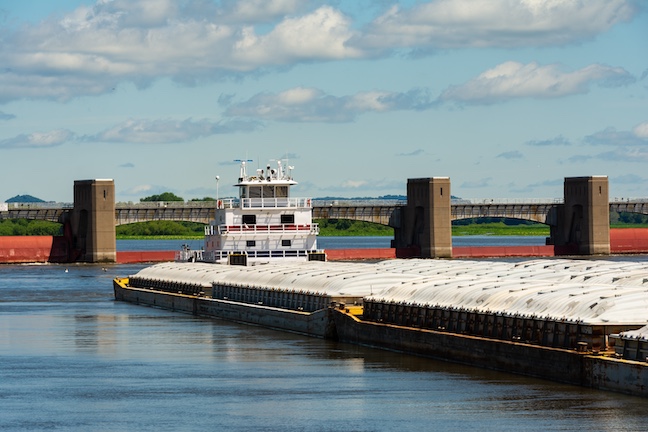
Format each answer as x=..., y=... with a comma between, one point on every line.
x=513, y=80
x=38, y=139
x=641, y=130
x=442, y=24
x=168, y=131
x=92, y=49
x=301, y=104
x=253, y=11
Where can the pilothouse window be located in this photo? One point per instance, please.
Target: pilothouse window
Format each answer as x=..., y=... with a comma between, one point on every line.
x=281, y=191
x=255, y=192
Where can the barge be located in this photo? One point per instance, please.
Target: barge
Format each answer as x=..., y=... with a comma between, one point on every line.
x=581, y=322
x=571, y=321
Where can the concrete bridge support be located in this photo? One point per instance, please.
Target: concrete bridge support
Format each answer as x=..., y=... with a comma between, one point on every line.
x=425, y=223
x=583, y=221
x=92, y=221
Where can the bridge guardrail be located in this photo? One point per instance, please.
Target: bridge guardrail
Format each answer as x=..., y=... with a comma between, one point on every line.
x=39, y=205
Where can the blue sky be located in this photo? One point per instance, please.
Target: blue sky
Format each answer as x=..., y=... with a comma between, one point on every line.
x=505, y=97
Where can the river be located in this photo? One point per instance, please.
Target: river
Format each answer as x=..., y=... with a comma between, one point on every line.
x=342, y=242
x=73, y=359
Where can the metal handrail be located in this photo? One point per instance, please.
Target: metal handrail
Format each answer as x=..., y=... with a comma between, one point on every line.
x=263, y=229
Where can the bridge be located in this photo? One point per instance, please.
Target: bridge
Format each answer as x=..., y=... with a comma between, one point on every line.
x=382, y=212
x=423, y=221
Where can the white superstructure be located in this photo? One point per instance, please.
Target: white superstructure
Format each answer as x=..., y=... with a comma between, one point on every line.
x=263, y=222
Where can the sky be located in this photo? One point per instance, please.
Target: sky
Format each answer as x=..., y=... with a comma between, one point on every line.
x=505, y=97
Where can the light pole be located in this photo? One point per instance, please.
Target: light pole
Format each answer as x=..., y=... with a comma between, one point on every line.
x=217, y=181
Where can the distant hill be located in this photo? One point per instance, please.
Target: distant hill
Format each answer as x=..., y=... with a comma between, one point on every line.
x=24, y=199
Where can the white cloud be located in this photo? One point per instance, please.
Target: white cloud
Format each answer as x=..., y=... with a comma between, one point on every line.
x=320, y=35
x=168, y=131
x=511, y=80
x=641, y=130
x=38, y=139
x=302, y=104
x=90, y=50
x=94, y=48
x=441, y=24
x=252, y=11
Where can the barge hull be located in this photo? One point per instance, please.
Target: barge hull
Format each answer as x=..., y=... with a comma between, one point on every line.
x=315, y=324
x=555, y=364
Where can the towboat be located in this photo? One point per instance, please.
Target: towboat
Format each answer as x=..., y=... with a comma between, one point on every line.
x=263, y=223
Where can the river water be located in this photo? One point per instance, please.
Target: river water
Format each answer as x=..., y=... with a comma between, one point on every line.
x=342, y=242
x=73, y=359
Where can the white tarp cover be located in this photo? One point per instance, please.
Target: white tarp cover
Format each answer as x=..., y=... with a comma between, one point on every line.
x=589, y=291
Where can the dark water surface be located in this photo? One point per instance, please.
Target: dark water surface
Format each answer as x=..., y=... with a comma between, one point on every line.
x=73, y=359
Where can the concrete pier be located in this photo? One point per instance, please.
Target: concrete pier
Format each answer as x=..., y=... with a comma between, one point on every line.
x=92, y=221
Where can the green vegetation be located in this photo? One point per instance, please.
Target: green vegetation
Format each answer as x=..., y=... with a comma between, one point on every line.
x=161, y=229
x=22, y=227
x=345, y=227
x=627, y=220
x=498, y=226
x=166, y=196
x=500, y=229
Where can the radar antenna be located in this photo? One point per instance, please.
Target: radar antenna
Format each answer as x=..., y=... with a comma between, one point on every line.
x=243, y=173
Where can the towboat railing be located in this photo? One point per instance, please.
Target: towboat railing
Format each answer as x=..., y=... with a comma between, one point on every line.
x=221, y=256
x=261, y=229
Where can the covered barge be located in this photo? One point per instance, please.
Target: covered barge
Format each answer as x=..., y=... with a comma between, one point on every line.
x=574, y=321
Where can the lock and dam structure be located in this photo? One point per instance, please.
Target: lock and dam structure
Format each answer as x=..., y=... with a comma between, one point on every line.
x=579, y=222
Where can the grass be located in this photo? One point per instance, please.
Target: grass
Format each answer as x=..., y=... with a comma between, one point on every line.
x=500, y=229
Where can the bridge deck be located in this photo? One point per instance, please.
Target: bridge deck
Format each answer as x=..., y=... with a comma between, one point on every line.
x=384, y=212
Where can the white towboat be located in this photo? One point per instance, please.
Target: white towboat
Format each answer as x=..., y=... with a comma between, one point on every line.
x=263, y=223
